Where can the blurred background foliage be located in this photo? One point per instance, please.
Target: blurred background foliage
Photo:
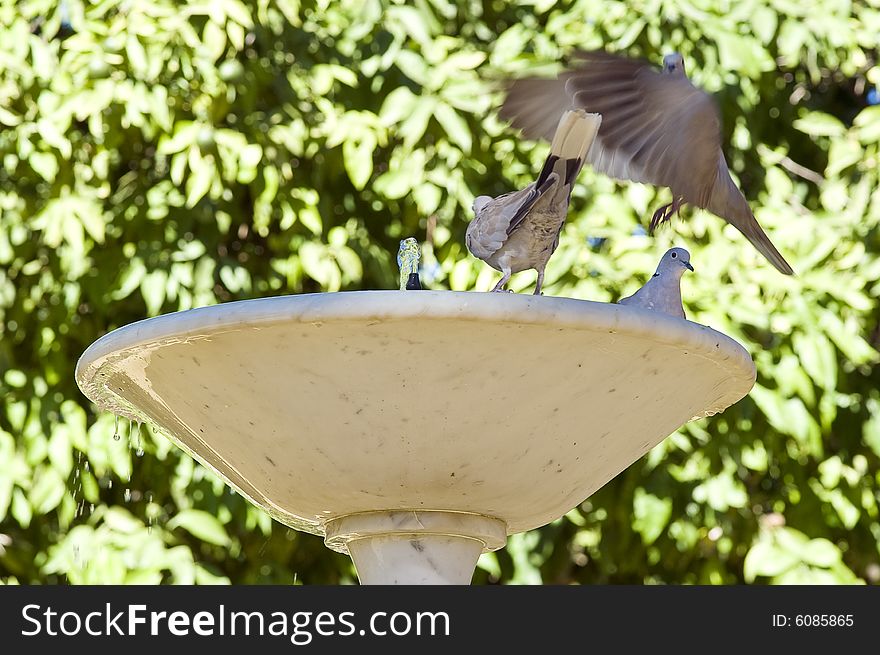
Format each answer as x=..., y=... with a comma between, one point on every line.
x=159, y=155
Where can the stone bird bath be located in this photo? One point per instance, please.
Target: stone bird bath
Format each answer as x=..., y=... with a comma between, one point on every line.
x=415, y=430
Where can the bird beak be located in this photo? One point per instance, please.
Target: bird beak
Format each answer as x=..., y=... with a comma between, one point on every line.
x=688, y=265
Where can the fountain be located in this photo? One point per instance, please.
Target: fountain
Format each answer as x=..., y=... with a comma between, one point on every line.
x=415, y=430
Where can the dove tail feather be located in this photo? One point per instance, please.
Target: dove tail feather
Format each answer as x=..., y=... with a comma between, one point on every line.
x=758, y=238
x=549, y=165
x=731, y=205
x=568, y=151
x=574, y=134
x=572, y=168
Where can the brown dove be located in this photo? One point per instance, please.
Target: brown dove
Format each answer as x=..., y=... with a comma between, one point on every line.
x=657, y=128
x=520, y=230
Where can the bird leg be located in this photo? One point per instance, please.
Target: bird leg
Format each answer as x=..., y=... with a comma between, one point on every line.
x=540, y=282
x=504, y=279
x=664, y=214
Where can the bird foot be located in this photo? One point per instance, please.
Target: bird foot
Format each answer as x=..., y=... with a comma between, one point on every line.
x=660, y=216
x=663, y=215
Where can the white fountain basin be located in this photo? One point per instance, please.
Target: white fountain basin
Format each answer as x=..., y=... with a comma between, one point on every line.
x=501, y=411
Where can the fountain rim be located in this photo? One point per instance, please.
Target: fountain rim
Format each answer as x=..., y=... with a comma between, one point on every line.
x=558, y=312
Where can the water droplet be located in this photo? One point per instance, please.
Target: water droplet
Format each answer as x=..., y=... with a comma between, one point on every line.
x=116, y=429
x=138, y=443
x=127, y=495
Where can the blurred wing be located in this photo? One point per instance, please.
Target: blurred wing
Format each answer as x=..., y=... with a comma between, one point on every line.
x=656, y=128
x=535, y=105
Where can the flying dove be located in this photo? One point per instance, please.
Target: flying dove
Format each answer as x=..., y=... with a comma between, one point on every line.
x=662, y=293
x=520, y=230
x=657, y=128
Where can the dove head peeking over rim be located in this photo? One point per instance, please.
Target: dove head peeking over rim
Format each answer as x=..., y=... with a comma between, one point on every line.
x=674, y=64
x=674, y=262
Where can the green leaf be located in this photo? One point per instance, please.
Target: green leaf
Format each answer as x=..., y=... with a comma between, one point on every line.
x=842, y=154
x=15, y=378
x=201, y=525
x=847, y=511
x=21, y=507
x=185, y=133
x=821, y=552
x=722, y=492
x=130, y=279
x=358, y=156
x=414, y=126
x=413, y=22
x=767, y=559
x=742, y=53
x=764, y=22
x=427, y=197
x=91, y=216
x=60, y=451
x=818, y=358
x=202, y=173
x=455, y=126
x=45, y=164
x=47, y=491
x=235, y=278
x=650, y=515
x=153, y=290
x=249, y=159
x=871, y=428
x=868, y=123
x=397, y=105
x=817, y=123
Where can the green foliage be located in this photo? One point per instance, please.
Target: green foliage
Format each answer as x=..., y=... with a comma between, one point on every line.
x=157, y=156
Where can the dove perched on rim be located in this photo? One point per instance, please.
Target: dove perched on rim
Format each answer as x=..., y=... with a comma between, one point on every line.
x=520, y=230
x=657, y=128
x=662, y=293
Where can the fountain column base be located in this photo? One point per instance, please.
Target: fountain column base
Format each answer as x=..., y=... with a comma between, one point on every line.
x=415, y=547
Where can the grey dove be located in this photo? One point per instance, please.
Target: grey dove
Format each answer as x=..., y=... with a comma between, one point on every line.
x=520, y=230
x=662, y=293
x=657, y=128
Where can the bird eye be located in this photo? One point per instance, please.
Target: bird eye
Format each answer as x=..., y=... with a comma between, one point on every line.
x=674, y=255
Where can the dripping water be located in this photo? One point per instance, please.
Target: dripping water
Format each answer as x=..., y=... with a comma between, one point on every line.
x=149, y=497
x=139, y=445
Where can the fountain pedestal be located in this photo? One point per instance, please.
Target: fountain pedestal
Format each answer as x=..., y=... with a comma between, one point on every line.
x=415, y=430
x=415, y=547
